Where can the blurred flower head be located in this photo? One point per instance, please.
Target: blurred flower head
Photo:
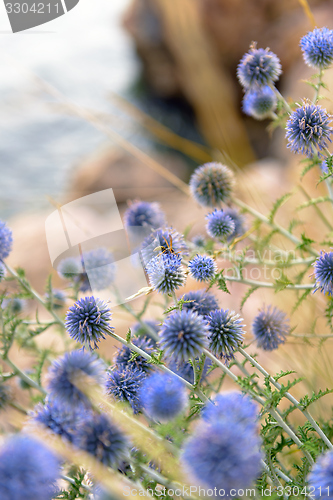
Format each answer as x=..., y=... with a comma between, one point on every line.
x=220, y=224
x=317, y=48
x=163, y=397
x=259, y=102
x=258, y=67
x=6, y=240
x=270, y=328
x=211, y=184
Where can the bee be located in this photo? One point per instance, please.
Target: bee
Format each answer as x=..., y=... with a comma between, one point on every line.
x=167, y=248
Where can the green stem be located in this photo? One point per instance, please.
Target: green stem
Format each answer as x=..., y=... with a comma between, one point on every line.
x=33, y=292
x=266, y=284
x=287, y=395
x=272, y=411
x=23, y=376
x=274, y=226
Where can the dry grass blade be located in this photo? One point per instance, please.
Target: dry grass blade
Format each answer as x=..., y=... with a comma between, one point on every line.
x=207, y=87
x=163, y=133
x=308, y=13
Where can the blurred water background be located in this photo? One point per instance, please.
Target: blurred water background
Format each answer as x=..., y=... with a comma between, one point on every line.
x=85, y=54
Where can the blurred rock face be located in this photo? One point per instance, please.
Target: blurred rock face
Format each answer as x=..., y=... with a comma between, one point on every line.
x=230, y=26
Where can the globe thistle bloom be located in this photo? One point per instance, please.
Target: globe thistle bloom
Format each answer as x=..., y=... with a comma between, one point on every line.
x=220, y=224
x=66, y=371
x=185, y=370
x=28, y=470
x=199, y=241
x=226, y=333
x=201, y=302
x=6, y=240
x=308, y=129
x=258, y=68
x=56, y=299
x=166, y=273
x=57, y=417
x=202, y=268
x=163, y=397
x=124, y=384
x=3, y=271
x=239, y=222
x=233, y=406
x=100, y=269
x=87, y=321
x=270, y=328
x=163, y=242
x=183, y=335
x=321, y=476
x=211, y=184
x=144, y=214
x=101, y=438
x=69, y=268
x=323, y=272
x=317, y=48
x=15, y=305
x=259, y=102
x=124, y=355
x=223, y=454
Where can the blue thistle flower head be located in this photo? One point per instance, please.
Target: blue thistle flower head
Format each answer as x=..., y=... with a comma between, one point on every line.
x=69, y=268
x=220, y=224
x=185, y=370
x=202, y=302
x=183, y=335
x=317, y=48
x=239, y=222
x=166, y=273
x=258, y=68
x=28, y=470
x=124, y=384
x=87, y=321
x=15, y=305
x=6, y=240
x=259, y=102
x=3, y=271
x=270, y=327
x=202, y=268
x=98, y=436
x=323, y=272
x=223, y=454
x=124, y=356
x=199, y=241
x=163, y=242
x=308, y=129
x=211, y=184
x=57, y=417
x=321, y=476
x=232, y=405
x=144, y=214
x=67, y=370
x=226, y=333
x=163, y=397
x=100, y=269
x=57, y=299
